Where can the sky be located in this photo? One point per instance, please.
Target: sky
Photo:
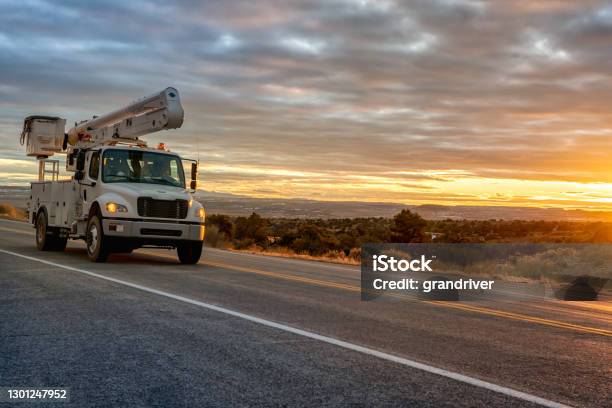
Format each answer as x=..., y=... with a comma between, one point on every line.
x=450, y=102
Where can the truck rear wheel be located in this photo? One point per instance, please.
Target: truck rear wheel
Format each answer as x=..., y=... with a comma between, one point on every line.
x=48, y=238
x=97, y=244
x=189, y=252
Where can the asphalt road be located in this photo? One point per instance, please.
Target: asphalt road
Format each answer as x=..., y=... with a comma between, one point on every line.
x=249, y=330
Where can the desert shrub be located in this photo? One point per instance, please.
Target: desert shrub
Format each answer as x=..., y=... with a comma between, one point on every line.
x=223, y=223
x=318, y=237
x=408, y=227
x=253, y=228
x=314, y=240
x=244, y=243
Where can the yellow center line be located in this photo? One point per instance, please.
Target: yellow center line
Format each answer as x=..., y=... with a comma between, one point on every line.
x=593, y=305
x=582, y=313
x=353, y=288
x=527, y=318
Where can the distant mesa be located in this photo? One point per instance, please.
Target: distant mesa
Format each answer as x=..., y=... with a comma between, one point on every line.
x=239, y=205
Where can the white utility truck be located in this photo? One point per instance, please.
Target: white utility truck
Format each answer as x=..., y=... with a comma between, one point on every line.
x=122, y=195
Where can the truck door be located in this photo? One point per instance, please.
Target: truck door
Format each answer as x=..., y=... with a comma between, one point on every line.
x=89, y=184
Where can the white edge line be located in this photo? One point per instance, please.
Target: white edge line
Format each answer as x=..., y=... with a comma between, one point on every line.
x=330, y=340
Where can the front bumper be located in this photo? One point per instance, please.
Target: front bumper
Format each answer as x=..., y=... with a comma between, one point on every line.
x=117, y=227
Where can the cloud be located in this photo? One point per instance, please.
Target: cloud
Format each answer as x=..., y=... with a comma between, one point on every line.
x=490, y=90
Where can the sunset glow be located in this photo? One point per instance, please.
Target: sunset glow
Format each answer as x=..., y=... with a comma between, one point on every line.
x=444, y=102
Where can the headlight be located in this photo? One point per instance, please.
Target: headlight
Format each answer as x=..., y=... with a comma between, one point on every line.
x=114, y=207
x=201, y=212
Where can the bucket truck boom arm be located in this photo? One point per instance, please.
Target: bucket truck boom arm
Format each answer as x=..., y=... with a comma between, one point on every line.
x=159, y=111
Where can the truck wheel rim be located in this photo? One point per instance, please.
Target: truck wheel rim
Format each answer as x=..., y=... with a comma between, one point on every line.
x=40, y=231
x=93, y=238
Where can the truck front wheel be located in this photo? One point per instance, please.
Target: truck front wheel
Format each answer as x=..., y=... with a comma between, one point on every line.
x=189, y=252
x=97, y=243
x=48, y=238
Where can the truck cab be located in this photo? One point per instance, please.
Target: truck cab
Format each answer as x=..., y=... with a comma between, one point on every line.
x=141, y=199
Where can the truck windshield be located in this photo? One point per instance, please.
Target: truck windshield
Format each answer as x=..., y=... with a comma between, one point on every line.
x=133, y=166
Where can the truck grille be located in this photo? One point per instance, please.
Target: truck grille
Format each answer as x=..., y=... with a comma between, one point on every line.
x=148, y=207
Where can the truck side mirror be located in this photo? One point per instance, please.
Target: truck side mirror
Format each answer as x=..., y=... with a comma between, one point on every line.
x=80, y=164
x=194, y=171
x=71, y=157
x=194, y=184
x=78, y=175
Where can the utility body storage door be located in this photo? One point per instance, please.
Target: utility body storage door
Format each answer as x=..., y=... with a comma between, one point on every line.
x=59, y=198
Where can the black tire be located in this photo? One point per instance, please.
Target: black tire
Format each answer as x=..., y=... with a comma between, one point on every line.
x=44, y=239
x=98, y=246
x=189, y=252
x=48, y=238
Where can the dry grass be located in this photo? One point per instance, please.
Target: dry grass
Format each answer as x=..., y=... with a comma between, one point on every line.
x=10, y=212
x=337, y=257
